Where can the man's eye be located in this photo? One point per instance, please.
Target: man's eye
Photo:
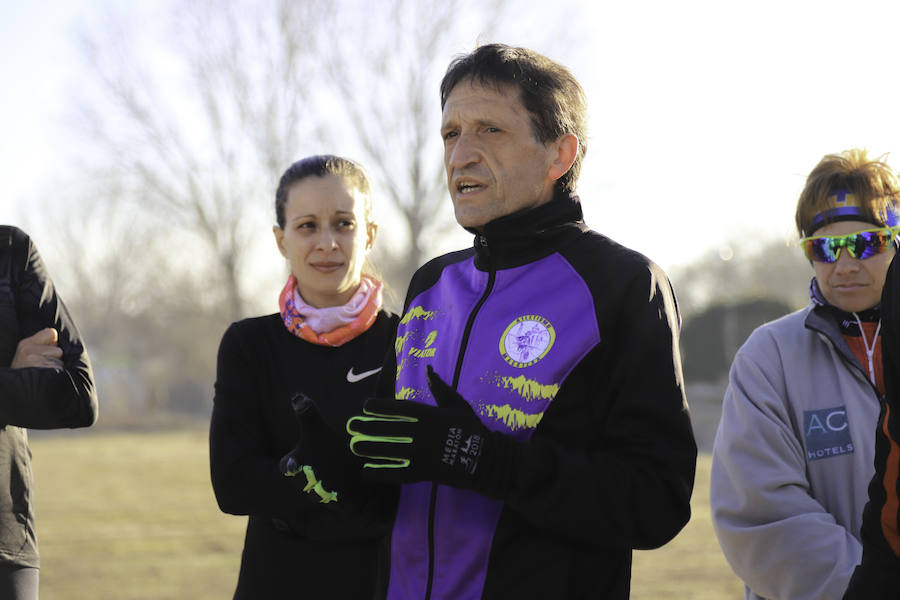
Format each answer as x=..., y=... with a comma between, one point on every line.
x=493, y=130
x=450, y=134
x=307, y=225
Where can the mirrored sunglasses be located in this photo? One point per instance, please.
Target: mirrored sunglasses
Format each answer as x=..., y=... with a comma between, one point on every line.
x=861, y=245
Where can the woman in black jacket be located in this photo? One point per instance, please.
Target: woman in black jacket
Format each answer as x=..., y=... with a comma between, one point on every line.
x=46, y=382
x=287, y=382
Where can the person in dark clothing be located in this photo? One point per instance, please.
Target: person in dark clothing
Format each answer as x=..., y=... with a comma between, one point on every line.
x=877, y=577
x=286, y=384
x=533, y=410
x=46, y=382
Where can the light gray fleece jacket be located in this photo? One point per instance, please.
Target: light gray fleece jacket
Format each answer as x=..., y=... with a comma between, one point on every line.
x=792, y=459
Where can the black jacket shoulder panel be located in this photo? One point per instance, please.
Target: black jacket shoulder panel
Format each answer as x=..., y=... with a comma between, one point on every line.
x=614, y=274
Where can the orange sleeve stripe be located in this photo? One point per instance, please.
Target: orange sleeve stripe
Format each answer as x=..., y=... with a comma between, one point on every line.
x=892, y=502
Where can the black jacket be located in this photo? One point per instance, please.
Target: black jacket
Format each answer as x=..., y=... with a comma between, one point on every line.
x=566, y=343
x=294, y=547
x=35, y=398
x=878, y=576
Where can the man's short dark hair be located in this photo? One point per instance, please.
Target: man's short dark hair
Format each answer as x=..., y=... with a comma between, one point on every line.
x=547, y=90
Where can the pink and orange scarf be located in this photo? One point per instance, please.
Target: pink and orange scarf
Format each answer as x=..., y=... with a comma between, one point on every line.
x=333, y=325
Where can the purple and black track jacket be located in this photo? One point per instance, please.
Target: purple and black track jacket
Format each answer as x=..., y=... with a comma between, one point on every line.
x=567, y=343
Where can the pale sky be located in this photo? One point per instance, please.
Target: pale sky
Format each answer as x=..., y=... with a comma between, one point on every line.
x=706, y=115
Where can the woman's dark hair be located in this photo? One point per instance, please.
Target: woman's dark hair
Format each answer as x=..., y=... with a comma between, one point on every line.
x=547, y=90
x=321, y=165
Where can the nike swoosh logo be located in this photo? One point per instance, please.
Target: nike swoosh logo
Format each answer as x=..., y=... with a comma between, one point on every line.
x=354, y=377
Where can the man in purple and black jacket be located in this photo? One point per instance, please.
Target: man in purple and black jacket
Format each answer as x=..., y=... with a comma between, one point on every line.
x=533, y=409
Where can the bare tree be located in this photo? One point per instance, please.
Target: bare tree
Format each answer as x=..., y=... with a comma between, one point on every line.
x=200, y=126
x=257, y=83
x=388, y=89
x=185, y=131
x=150, y=325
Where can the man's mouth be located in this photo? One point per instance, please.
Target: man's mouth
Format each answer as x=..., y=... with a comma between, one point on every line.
x=468, y=187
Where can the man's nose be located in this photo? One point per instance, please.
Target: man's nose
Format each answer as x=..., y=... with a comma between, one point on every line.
x=466, y=151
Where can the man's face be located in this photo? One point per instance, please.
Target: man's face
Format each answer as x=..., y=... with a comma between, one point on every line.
x=849, y=283
x=495, y=166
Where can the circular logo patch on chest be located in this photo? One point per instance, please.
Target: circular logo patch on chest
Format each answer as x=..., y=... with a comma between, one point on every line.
x=527, y=340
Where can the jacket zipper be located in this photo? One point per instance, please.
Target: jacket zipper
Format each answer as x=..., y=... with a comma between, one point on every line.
x=852, y=363
x=482, y=241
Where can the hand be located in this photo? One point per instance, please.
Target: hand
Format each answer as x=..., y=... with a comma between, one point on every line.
x=39, y=350
x=320, y=452
x=408, y=441
x=290, y=468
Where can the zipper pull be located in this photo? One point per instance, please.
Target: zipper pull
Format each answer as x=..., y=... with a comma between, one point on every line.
x=482, y=242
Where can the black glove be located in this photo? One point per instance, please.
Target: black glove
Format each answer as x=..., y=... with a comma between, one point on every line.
x=405, y=442
x=319, y=465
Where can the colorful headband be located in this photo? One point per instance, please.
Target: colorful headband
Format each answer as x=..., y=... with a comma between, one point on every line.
x=845, y=206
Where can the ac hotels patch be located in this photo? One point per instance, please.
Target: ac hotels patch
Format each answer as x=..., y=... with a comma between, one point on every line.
x=827, y=433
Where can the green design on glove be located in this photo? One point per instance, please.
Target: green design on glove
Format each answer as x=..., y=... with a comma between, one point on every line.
x=319, y=445
x=407, y=441
x=312, y=482
x=381, y=462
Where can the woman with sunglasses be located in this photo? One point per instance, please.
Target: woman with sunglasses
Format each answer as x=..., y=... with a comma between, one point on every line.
x=287, y=382
x=793, y=455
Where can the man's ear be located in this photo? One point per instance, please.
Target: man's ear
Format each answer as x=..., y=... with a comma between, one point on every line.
x=279, y=239
x=566, y=148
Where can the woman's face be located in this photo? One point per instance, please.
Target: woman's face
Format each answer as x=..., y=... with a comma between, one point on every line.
x=849, y=283
x=325, y=238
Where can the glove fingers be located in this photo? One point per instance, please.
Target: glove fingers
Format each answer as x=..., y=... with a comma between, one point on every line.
x=393, y=409
x=382, y=436
x=305, y=408
x=289, y=466
x=382, y=449
x=386, y=417
x=318, y=415
x=381, y=427
x=444, y=395
x=383, y=474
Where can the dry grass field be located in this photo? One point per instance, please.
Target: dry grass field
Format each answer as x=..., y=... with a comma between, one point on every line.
x=690, y=567
x=128, y=516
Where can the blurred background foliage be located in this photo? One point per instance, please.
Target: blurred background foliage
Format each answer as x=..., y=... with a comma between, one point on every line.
x=728, y=293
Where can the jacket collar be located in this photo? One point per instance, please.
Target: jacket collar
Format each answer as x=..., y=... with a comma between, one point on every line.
x=832, y=322
x=823, y=321
x=822, y=306
x=525, y=236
